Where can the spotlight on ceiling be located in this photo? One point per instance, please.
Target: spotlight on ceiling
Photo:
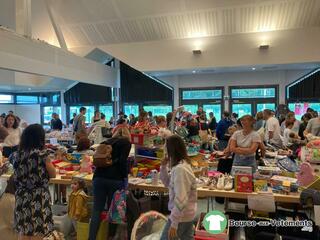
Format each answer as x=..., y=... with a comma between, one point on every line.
x=264, y=47
x=196, y=52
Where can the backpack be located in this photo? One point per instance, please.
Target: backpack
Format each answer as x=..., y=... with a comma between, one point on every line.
x=103, y=156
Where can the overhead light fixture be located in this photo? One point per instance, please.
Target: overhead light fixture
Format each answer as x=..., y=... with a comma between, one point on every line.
x=253, y=68
x=196, y=52
x=264, y=47
x=194, y=71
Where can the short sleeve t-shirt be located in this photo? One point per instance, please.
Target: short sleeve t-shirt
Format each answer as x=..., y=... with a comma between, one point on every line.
x=313, y=126
x=215, y=222
x=272, y=125
x=78, y=123
x=246, y=141
x=286, y=136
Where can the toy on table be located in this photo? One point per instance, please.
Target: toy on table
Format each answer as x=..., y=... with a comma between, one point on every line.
x=86, y=164
x=306, y=175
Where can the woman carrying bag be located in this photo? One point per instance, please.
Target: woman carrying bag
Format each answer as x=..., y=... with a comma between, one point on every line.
x=110, y=175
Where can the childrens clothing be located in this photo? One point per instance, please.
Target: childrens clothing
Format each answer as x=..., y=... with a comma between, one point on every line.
x=78, y=206
x=182, y=193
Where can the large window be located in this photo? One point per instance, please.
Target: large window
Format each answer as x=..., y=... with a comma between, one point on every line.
x=5, y=98
x=193, y=108
x=263, y=106
x=250, y=100
x=21, y=99
x=106, y=110
x=47, y=113
x=158, y=110
x=89, y=114
x=253, y=93
x=210, y=99
x=131, y=109
x=242, y=109
x=215, y=108
x=201, y=94
x=301, y=108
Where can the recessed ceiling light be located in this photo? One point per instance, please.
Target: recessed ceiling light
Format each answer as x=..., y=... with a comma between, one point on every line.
x=194, y=71
x=253, y=69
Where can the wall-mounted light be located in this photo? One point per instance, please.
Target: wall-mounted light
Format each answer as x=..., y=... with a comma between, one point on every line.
x=253, y=68
x=194, y=71
x=196, y=52
x=264, y=47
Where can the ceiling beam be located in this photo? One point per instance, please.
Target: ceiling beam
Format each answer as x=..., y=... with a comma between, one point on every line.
x=21, y=54
x=56, y=26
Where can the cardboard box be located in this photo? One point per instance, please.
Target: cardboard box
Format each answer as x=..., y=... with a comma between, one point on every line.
x=202, y=234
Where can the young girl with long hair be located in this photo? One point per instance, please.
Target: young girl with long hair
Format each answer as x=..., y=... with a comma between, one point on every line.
x=181, y=182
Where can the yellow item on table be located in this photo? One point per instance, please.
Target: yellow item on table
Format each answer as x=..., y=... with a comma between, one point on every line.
x=286, y=184
x=135, y=171
x=83, y=231
x=63, y=164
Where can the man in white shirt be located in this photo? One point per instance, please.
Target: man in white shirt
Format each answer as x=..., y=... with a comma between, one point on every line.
x=272, y=130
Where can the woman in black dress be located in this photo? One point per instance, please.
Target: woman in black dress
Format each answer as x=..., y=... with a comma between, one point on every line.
x=32, y=170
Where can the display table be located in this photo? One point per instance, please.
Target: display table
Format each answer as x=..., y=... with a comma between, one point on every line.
x=203, y=193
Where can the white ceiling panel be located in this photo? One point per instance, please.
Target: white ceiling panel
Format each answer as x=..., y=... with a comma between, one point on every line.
x=138, y=8
x=98, y=22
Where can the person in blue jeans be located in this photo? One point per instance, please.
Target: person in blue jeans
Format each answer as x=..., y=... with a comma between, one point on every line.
x=106, y=181
x=244, y=144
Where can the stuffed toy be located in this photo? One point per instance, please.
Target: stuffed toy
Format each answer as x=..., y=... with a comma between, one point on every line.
x=86, y=164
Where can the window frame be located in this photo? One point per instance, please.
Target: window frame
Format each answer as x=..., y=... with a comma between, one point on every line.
x=254, y=101
x=202, y=102
x=154, y=105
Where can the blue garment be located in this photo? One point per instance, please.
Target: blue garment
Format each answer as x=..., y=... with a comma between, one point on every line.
x=246, y=161
x=103, y=190
x=222, y=128
x=185, y=231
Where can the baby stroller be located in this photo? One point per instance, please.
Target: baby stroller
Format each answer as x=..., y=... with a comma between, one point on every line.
x=149, y=226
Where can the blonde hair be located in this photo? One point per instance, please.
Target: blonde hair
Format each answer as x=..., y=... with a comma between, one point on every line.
x=122, y=132
x=250, y=118
x=259, y=116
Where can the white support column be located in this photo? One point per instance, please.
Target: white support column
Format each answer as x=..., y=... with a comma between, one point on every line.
x=23, y=17
x=63, y=108
x=56, y=27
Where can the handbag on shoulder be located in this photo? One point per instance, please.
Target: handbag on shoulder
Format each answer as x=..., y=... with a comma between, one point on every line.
x=106, y=132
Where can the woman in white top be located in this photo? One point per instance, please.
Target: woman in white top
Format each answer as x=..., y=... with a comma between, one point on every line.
x=12, y=141
x=244, y=144
x=96, y=134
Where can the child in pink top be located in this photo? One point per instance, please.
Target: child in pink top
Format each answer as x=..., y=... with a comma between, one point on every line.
x=182, y=191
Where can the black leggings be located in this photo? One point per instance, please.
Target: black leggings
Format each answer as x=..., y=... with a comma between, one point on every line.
x=6, y=152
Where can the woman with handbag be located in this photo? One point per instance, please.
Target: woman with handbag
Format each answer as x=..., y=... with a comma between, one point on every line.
x=101, y=130
x=110, y=175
